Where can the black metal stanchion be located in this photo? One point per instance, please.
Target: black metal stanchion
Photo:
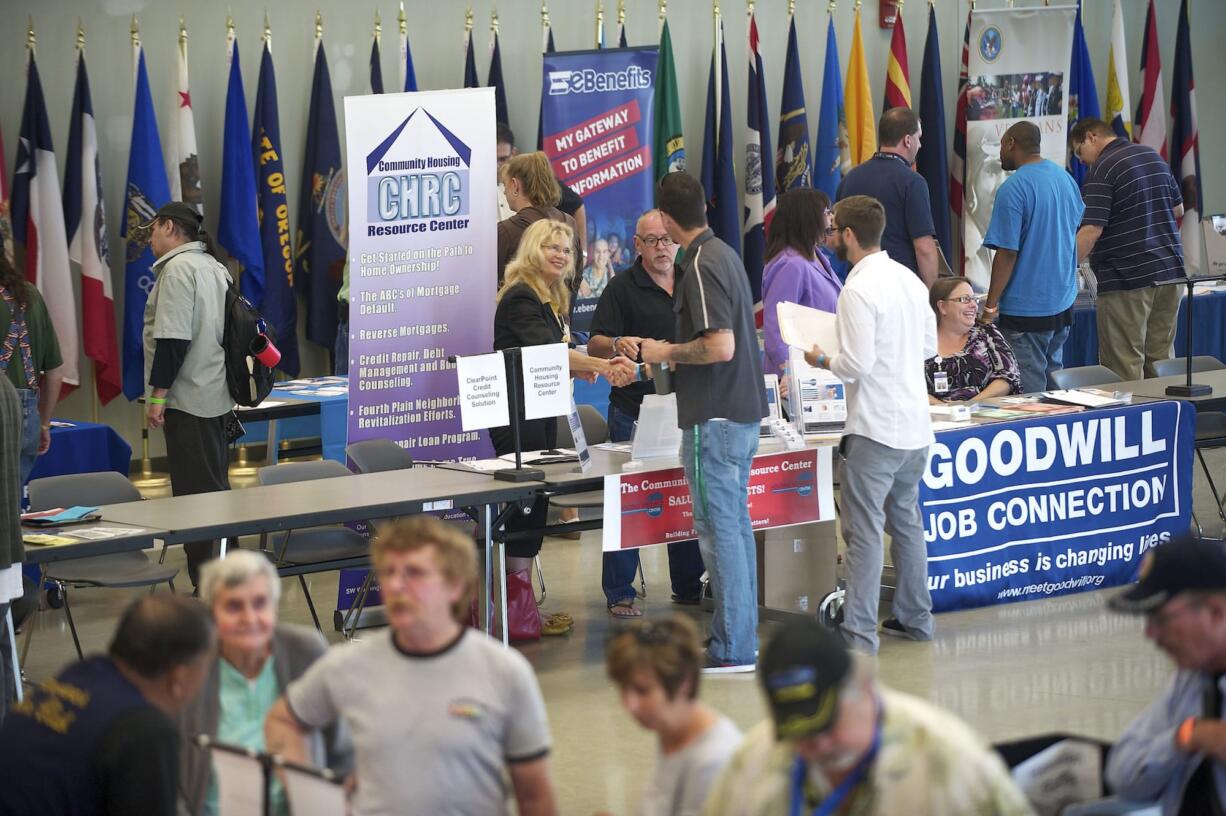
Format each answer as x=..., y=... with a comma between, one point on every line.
x=1189, y=388
x=519, y=473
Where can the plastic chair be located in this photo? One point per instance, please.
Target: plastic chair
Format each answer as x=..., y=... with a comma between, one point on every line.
x=116, y=571
x=595, y=428
x=310, y=550
x=1082, y=376
x=1177, y=366
x=378, y=456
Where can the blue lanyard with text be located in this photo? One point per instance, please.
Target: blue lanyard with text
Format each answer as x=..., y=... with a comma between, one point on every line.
x=894, y=156
x=837, y=796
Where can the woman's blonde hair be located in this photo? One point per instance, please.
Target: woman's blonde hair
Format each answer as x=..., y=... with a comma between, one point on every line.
x=529, y=263
x=535, y=178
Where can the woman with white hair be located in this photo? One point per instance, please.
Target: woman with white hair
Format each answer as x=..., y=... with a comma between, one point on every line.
x=257, y=658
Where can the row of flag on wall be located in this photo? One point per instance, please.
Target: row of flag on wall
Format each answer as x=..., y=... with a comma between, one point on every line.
x=846, y=131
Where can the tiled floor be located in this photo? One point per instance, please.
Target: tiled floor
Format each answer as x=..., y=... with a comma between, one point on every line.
x=1064, y=664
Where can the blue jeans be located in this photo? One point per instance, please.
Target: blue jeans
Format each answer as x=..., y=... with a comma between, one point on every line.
x=684, y=561
x=1038, y=355
x=31, y=429
x=717, y=456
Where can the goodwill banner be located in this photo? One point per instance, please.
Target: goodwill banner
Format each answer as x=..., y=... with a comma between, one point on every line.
x=655, y=507
x=597, y=131
x=1020, y=511
x=422, y=199
x=1017, y=69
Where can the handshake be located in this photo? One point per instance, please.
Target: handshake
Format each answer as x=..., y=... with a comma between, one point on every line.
x=619, y=371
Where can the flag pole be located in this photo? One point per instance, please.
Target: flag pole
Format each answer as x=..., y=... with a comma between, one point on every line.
x=599, y=23
x=94, y=405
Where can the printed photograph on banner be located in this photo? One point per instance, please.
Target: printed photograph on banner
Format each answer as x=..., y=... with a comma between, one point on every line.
x=597, y=129
x=1055, y=504
x=1015, y=96
x=422, y=220
x=1023, y=53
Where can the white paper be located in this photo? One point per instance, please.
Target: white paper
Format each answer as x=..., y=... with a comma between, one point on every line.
x=804, y=328
x=546, y=371
x=309, y=795
x=271, y=403
x=656, y=434
x=490, y=465
x=483, y=391
x=1090, y=397
x=240, y=784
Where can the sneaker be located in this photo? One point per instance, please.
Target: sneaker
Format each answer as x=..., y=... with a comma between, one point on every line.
x=713, y=666
x=894, y=628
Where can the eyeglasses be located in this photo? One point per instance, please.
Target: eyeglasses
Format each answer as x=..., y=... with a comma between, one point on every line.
x=564, y=250
x=963, y=299
x=653, y=240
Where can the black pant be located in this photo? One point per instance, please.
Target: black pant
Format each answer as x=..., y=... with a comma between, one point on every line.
x=534, y=434
x=199, y=460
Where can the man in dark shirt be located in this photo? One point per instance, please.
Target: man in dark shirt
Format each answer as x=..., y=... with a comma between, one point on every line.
x=888, y=177
x=638, y=304
x=721, y=399
x=1130, y=234
x=99, y=738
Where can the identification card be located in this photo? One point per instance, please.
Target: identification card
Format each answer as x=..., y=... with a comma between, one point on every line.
x=940, y=382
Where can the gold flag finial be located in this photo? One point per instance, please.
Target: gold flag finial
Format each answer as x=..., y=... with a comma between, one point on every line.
x=267, y=28
x=80, y=35
x=544, y=14
x=599, y=23
x=494, y=20
x=134, y=31
x=319, y=25
x=663, y=10
x=31, y=40
x=229, y=23
x=791, y=8
x=378, y=27
x=715, y=10
x=830, y=8
x=402, y=21
x=182, y=32
x=468, y=19
x=621, y=12
x=749, y=8
x=858, y=6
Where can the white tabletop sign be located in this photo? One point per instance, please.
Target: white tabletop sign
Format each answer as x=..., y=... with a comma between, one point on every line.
x=546, y=381
x=483, y=391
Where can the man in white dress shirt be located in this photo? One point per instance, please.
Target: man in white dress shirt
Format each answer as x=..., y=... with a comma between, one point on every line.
x=886, y=330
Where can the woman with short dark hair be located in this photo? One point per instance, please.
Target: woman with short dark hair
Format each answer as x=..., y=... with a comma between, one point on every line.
x=974, y=361
x=796, y=271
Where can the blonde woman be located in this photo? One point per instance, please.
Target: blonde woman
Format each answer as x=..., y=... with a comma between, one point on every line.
x=533, y=308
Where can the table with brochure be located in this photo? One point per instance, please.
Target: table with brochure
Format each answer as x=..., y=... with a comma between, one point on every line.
x=305, y=408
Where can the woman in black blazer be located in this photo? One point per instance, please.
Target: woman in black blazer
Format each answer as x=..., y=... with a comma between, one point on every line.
x=533, y=309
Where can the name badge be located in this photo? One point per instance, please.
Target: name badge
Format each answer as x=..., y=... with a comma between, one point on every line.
x=940, y=382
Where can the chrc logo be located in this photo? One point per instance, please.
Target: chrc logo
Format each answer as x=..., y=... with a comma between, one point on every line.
x=590, y=80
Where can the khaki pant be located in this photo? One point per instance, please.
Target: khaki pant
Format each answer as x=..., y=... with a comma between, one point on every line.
x=1137, y=328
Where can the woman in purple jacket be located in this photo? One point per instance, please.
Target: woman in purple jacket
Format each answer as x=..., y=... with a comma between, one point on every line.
x=796, y=271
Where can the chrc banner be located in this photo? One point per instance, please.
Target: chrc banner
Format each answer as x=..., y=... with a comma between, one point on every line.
x=1024, y=510
x=597, y=122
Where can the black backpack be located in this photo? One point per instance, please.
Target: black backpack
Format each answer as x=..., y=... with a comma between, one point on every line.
x=249, y=380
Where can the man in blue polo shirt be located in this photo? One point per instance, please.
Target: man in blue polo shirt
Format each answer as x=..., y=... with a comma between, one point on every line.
x=910, y=237
x=1129, y=233
x=1034, y=272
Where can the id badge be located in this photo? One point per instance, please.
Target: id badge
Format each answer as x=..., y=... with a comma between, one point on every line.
x=940, y=382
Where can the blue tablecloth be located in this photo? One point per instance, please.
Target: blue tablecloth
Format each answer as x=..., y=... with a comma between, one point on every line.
x=84, y=447
x=1208, y=335
x=328, y=425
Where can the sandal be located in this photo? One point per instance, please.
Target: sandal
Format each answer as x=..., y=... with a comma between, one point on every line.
x=557, y=624
x=561, y=617
x=625, y=609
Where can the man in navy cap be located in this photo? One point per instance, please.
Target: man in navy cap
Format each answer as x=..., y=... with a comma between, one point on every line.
x=1175, y=750
x=838, y=742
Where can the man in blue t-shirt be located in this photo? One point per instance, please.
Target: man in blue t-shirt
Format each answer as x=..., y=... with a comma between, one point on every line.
x=910, y=237
x=1034, y=272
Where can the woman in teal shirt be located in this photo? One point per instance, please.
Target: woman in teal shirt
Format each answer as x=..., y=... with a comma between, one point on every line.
x=257, y=658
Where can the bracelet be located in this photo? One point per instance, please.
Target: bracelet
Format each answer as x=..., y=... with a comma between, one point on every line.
x=822, y=359
x=157, y=400
x=1183, y=735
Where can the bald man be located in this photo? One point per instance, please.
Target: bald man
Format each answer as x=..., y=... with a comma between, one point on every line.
x=1034, y=272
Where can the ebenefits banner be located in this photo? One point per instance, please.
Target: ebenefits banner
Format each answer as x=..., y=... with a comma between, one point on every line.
x=422, y=203
x=1024, y=510
x=1018, y=68
x=596, y=117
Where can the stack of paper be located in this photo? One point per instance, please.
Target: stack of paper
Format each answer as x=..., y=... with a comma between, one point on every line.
x=804, y=328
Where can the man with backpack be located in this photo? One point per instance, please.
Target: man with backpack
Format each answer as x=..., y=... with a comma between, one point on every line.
x=185, y=359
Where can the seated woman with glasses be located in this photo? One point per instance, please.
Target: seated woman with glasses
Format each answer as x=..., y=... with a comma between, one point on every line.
x=534, y=310
x=973, y=362
x=796, y=271
x=656, y=667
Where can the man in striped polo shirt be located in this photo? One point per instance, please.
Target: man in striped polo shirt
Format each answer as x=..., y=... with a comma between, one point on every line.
x=1129, y=233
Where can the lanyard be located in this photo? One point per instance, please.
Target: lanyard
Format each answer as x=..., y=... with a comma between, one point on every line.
x=18, y=338
x=837, y=796
x=882, y=155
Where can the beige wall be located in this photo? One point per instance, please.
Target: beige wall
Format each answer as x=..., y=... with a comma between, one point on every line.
x=436, y=32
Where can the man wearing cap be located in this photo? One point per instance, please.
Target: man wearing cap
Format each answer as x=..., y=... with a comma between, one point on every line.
x=185, y=364
x=838, y=742
x=1175, y=750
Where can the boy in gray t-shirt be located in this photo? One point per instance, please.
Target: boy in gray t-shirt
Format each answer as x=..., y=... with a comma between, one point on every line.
x=432, y=732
